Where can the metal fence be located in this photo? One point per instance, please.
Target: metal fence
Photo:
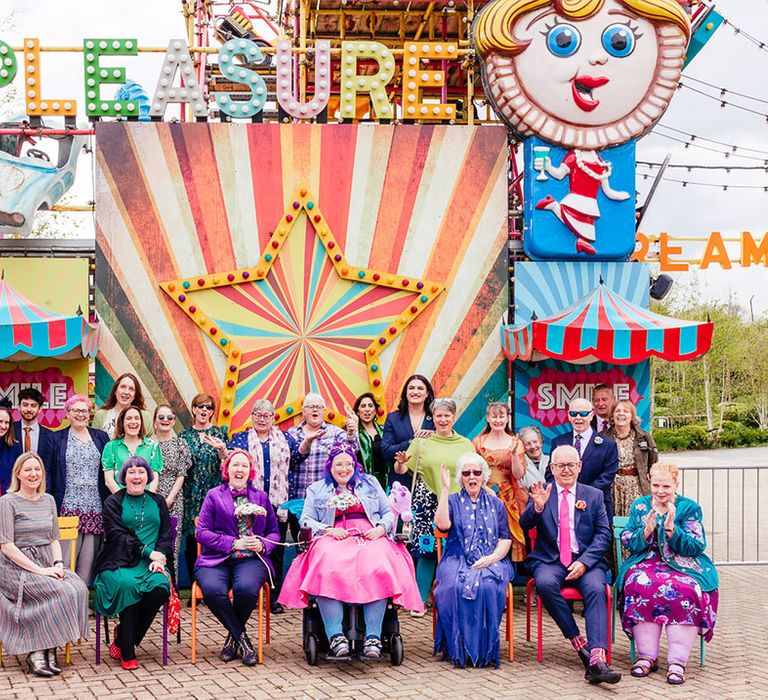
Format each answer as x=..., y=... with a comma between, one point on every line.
x=731, y=502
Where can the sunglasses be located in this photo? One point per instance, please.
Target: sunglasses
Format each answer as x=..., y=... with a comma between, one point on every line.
x=205, y=406
x=583, y=414
x=163, y=416
x=472, y=472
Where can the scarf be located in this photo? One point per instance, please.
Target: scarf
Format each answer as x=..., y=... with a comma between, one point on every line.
x=279, y=462
x=477, y=530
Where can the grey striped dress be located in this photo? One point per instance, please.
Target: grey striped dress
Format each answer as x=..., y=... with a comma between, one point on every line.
x=36, y=612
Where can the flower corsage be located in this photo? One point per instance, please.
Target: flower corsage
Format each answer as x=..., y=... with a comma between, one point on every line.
x=581, y=505
x=249, y=509
x=598, y=440
x=342, y=501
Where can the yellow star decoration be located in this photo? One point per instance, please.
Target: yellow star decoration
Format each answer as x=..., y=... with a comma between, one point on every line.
x=335, y=330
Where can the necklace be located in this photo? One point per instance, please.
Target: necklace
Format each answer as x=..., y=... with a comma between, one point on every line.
x=138, y=517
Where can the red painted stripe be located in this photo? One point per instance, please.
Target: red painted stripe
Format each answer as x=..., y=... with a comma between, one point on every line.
x=264, y=146
x=337, y=164
x=57, y=333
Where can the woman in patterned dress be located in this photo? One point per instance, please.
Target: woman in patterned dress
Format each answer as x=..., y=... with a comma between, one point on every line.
x=77, y=483
x=637, y=453
x=208, y=446
x=667, y=581
x=177, y=460
x=504, y=453
x=42, y=605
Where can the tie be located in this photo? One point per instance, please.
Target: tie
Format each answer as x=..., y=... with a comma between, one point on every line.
x=27, y=438
x=577, y=443
x=565, y=530
x=605, y=426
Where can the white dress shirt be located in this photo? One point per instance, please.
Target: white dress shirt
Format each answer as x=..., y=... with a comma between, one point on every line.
x=586, y=436
x=34, y=434
x=571, y=515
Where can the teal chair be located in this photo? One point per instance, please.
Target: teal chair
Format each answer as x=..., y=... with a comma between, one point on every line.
x=619, y=523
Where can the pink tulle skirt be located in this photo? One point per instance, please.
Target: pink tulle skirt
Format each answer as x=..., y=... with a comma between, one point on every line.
x=353, y=570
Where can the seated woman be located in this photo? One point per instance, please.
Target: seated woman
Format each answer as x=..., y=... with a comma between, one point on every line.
x=42, y=605
x=472, y=577
x=351, y=559
x=134, y=566
x=237, y=529
x=667, y=580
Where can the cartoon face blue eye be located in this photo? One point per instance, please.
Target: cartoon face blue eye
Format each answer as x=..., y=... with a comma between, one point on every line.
x=619, y=40
x=563, y=40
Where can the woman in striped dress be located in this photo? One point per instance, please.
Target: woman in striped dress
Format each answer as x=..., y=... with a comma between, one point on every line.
x=42, y=605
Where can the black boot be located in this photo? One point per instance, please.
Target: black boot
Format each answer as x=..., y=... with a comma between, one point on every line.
x=229, y=650
x=601, y=672
x=36, y=664
x=584, y=658
x=250, y=657
x=53, y=661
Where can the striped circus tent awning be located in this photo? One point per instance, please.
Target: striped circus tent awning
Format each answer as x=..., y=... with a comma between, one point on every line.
x=604, y=326
x=28, y=331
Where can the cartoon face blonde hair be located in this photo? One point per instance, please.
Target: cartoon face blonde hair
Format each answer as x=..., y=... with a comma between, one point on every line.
x=581, y=73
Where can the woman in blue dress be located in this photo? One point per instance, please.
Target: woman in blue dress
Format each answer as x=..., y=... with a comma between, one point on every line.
x=472, y=576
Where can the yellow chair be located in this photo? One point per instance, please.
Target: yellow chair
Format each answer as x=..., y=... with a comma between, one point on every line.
x=68, y=525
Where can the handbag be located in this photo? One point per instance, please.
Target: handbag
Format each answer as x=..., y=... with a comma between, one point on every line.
x=174, y=607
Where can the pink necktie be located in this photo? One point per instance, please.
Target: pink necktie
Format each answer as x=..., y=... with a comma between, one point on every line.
x=566, y=556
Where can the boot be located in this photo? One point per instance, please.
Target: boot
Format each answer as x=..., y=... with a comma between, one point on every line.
x=250, y=657
x=36, y=664
x=229, y=650
x=53, y=661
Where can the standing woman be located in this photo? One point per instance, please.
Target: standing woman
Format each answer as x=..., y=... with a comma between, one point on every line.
x=10, y=448
x=425, y=457
x=125, y=392
x=42, y=606
x=177, y=460
x=371, y=456
x=129, y=441
x=208, y=446
x=504, y=453
x=76, y=482
x=637, y=454
x=413, y=418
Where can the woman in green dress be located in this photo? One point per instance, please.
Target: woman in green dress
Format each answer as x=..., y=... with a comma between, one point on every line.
x=208, y=445
x=367, y=409
x=131, y=578
x=129, y=441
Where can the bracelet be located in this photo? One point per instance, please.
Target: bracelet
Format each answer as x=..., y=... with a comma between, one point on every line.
x=58, y=561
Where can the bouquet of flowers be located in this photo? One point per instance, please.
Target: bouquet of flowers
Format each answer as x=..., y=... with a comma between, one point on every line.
x=249, y=510
x=342, y=501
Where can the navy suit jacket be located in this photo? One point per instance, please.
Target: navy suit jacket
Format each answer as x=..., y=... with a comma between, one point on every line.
x=593, y=532
x=396, y=437
x=599, y=463
x=45, y=445
x=56, y=476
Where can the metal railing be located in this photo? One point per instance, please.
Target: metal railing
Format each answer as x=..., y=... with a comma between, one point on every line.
x=731, y=501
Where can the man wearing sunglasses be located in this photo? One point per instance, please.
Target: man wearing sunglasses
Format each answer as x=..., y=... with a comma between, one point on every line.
x=572, y=537
x=598, y=453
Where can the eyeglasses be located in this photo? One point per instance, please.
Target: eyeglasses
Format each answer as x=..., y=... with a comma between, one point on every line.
x=472, y=472
x=161, y=416
x=583, y=414
x=79, y=411
x=313, y=407
x=263, y=416
x=566, y=465
x=205, y=406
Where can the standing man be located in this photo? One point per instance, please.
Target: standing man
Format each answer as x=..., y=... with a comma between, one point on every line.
x=30, y=433
x=597, y=453
x=572, y=537
x=316, y=439
x=603, y=400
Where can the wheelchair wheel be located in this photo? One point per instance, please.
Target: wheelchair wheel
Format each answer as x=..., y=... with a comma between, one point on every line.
x=396, y=649
x=310, y=649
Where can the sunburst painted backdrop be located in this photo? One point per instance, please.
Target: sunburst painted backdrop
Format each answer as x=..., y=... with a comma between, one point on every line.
x=398, y=266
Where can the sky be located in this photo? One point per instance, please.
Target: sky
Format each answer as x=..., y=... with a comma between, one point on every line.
x=728, y=61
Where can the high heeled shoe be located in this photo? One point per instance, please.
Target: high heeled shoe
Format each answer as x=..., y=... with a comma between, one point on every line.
x=52, y=660
x=36, y=664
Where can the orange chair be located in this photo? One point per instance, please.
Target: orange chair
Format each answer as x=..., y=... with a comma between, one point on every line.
x=263, y=616
x=569, y=593
x=510, y=622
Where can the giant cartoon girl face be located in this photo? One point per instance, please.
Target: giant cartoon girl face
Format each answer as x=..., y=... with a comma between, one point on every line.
x=580, y=81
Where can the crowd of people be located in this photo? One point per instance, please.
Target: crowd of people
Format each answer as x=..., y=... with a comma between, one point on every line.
x=502, y=505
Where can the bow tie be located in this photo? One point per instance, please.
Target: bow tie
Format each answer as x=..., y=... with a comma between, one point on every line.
x=241, y=492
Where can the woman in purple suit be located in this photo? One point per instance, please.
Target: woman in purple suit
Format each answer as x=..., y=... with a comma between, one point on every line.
x=237, y=529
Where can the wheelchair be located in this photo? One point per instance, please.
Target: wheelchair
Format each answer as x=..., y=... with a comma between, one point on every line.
x=315, y=641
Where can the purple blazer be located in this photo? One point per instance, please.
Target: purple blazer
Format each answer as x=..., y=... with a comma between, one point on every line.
x=217, y=525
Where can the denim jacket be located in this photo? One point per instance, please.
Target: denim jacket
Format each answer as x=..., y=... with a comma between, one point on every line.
x=317, y=517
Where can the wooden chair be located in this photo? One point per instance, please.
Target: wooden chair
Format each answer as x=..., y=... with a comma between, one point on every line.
x=68, y=525
x=619, y=523
x=510, y=620
x=263, y=615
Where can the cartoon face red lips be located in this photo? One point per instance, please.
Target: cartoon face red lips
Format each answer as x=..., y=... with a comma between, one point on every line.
x=582, y=86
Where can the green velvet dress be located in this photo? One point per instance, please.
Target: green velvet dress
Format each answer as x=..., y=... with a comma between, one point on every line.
x=116, y=590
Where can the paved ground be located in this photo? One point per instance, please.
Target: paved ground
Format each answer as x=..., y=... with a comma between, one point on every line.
x=738, y=456
x=735, y=666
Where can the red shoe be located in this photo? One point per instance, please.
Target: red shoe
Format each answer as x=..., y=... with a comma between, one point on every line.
x=583, y=247
x=131, y=665
x=114, y=650
x=544, y=203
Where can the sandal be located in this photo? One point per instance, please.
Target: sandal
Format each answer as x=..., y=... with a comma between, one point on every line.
x=675, y=677
x=644, y=666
